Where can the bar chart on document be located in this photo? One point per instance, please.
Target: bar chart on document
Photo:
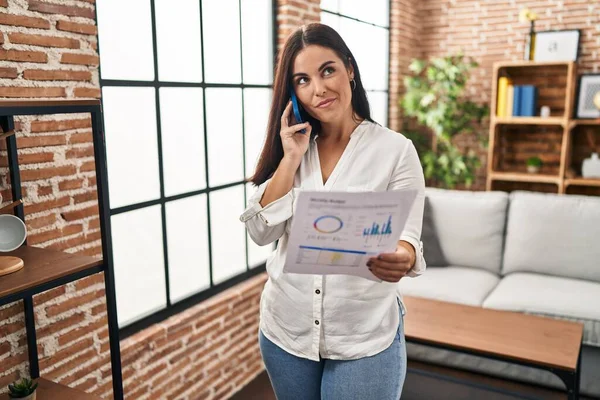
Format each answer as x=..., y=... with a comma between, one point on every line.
x=332, y=236
x=338, y=232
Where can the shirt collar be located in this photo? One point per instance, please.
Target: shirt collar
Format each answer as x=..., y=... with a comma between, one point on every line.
x=360, y=128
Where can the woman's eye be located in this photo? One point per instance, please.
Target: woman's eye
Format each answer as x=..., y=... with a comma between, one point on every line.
x=328, y=71
x=300, y=81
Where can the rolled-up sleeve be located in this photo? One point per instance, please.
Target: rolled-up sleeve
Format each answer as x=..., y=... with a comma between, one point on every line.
x=408, y=174
x=267, y=224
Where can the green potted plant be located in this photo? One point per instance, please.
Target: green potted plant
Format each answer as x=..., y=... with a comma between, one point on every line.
x=24, y=389
x=435, y=95
x=534, y=164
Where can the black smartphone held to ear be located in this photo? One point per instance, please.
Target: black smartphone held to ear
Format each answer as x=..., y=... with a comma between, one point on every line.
x=296, y=106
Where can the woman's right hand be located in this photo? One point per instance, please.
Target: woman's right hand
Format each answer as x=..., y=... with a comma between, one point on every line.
x=294, y=142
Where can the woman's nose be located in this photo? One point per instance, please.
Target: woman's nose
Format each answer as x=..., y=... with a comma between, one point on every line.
x=319, y=88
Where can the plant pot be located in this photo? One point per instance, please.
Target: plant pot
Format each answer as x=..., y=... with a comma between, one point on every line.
x=533, y=169
x=32, y=396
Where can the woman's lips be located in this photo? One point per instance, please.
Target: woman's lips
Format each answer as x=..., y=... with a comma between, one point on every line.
x=326, y=103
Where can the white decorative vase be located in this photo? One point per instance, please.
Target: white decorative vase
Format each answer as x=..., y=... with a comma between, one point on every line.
x=533, y=169
x=591, y=167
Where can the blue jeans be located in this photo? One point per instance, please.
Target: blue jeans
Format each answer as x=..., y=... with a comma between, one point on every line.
x=379, y=377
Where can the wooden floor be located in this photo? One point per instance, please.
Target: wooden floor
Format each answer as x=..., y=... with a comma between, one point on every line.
x=428, y=382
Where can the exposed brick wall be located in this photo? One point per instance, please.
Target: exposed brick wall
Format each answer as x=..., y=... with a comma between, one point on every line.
x=490, y=31
x=405, y=36
x=294, y=13
x=209, y=351
x=47, y=50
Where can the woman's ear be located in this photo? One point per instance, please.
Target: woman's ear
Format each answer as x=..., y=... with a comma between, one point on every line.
x=350, y=68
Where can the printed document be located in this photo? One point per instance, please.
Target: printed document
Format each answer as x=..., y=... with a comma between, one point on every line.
x=337, y=232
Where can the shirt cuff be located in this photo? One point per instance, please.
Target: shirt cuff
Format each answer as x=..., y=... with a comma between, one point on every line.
x=273, y=213
x=420, y=263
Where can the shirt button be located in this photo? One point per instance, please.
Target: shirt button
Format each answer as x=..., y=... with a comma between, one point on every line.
x=317, y=322
x=317, y=291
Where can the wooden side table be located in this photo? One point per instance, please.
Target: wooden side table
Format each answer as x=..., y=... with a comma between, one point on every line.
x=538, y=342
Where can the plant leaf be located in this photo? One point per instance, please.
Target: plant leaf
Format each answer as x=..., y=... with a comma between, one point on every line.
x=436, y=95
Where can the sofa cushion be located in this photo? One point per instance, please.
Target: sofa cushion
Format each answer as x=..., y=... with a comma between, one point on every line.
x=552, y=296
x=464, y=228
x=553, y=234
x=454, y=284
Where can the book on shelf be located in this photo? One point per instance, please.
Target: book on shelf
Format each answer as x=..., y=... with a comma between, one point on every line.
x=516, y=100
x=528, y=100
x=510, y=94
x=503, y=83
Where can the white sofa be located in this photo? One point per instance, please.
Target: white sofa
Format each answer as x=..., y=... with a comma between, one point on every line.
x=527, y=252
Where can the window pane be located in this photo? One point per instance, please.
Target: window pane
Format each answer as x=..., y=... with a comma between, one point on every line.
x=137, y=241
x=221, y=32
x=333, y=21
x=374, y=11
x=227, y=233
x=257, y=41
x=379, y=106
x=182, y=128
x=256, y=117
x=257, y=255
x=369, y=45
x=178, y=40
x=125, y=39
x=187, y=239
x=330, y=5
x=224, y=125
x=130, y=123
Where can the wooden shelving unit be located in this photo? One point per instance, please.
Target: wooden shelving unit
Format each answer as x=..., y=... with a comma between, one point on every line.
x=529, y=121
x=46, y=269
x=44, y=266
x=50, y=390
x=582, y=182
x=584, y=122
x=524, y=177
x=555, y=139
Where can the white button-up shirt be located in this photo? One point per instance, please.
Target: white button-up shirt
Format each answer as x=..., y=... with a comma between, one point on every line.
x=337, y=316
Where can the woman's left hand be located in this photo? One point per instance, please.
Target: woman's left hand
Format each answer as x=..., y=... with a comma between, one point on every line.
x=391, y=267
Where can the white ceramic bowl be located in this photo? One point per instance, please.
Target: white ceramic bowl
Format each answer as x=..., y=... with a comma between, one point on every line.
x=12, y=232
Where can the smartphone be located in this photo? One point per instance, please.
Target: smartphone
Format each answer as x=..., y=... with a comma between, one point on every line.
x=296, y=106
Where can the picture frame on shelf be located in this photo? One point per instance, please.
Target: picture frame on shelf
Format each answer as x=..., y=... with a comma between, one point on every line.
x=588, y=88
x=557, y=45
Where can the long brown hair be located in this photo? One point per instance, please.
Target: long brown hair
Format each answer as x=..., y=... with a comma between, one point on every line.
x=311, y=34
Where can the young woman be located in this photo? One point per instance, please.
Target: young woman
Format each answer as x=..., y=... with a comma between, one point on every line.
x=335, y=336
